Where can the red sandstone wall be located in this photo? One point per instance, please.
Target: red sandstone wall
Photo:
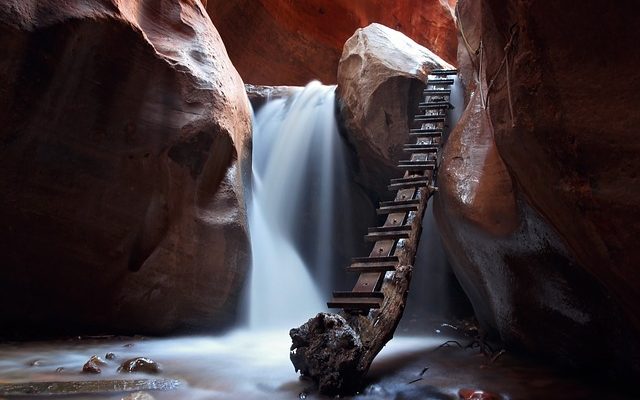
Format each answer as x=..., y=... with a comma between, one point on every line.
x=283, y=42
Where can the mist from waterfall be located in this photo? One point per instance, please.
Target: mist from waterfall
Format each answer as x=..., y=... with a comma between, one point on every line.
x=298, y=170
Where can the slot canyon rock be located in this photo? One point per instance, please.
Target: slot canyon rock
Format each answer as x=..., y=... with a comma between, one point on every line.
x=282, y=42
x=381, y=76
x=123, y=145
x=538, y=208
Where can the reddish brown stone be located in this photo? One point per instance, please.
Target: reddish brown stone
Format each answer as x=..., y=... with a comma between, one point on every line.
x=539, y=210
x=123, y=129
x=282, y=42
x=381, y=76
x=93, y=365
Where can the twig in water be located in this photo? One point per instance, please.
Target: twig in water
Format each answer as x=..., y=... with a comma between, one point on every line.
x=414, y=381
x=448, y=342
x=496, y=356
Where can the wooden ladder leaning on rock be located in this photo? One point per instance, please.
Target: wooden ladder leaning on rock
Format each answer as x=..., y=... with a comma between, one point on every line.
x=336, y=350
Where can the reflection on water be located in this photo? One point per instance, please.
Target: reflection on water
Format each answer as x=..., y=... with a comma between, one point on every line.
x=252, y=365
x=240, y=365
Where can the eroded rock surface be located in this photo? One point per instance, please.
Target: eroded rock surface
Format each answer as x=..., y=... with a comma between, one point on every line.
x=122, y=141
x=537, y=207
x=381, y=76
x=327, y=348
x=281, y=42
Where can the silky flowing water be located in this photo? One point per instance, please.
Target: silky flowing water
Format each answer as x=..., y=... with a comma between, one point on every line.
x=299, y=176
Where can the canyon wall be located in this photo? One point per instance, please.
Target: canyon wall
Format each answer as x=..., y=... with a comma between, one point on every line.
x=538, y=203
x=282, y=42
x=124, y=139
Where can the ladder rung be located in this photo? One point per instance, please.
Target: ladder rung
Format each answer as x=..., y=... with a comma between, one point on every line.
x=364, y=260
x=435, y=92
x=418, y=148
x=440, y=82
x=426, y=133
x=408, y=179
x=390, y=228
x=355, y=303
x=444, y=72
x=397, y=234
x=436, y=105
x=429, y=118
x=427, y=130
x=372, y=267
x=399, y=202
x=406, y=185
x=389, y=209
x=417, y=166
x=357, y=295
x=373, y=264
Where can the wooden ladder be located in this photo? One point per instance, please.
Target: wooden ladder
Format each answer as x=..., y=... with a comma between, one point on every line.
x=407, y=206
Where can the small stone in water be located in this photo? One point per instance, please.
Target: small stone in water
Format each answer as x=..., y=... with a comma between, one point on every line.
x=140, y=364
x=59, y=369
x=93, y=365
x=302, y=395
x=110, y=356
x=471, y=394
x=36, y=363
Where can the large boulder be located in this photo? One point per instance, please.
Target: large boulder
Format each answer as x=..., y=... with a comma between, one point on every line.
x=381, y=76
x=539, y=194
x=283, y=42
x=123, y=145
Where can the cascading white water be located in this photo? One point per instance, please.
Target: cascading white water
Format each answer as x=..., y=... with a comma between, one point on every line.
x=295, y=148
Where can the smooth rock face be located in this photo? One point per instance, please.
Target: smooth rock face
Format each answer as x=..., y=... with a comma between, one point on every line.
x=539, y=211
x=124, y=128
x=283, y=42
x=381, y=76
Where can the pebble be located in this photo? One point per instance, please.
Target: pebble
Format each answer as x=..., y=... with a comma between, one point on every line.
x=93, y=365
x=140, y=364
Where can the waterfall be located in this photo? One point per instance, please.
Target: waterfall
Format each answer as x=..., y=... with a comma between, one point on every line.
x=298, y=171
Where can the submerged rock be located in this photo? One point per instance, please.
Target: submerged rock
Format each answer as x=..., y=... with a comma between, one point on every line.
x=380, y=78
x=283, y=42
x=140, y=364
x=124, y=140
x=93, y=365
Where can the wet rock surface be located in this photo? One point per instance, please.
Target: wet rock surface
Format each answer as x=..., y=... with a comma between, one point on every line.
x=380, y=79
x=255, y=366
x=93, y=365
x=140, y=364
x=124, y=138
x=537, y=206
x=329, y=350
x=280, y=42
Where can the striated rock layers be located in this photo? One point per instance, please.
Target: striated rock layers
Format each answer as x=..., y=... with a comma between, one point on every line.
x=381, y=76
x=283, y=42
x=539, y=192
x=123, y=139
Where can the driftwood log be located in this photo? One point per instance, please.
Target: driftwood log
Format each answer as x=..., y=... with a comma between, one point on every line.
x=336, y=350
